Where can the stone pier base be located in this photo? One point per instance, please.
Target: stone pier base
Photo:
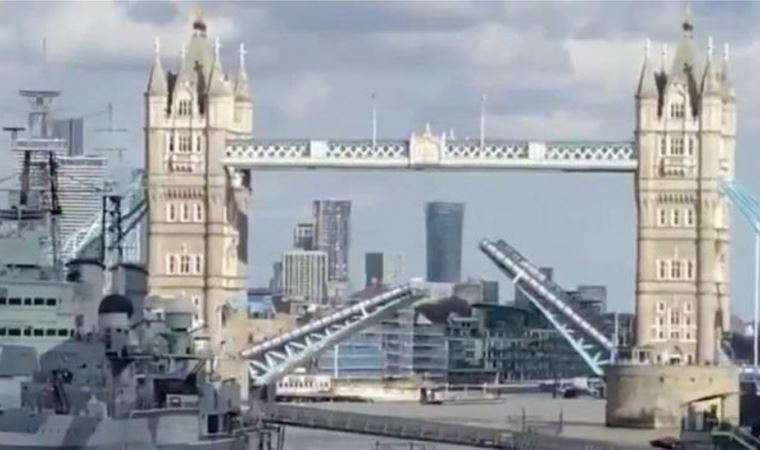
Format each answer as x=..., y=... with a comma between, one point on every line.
x=649, y=396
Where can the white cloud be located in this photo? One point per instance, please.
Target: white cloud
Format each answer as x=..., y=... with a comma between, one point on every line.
x=307, y=94
x=101, y=32
x=558, y=124
x=611, y=66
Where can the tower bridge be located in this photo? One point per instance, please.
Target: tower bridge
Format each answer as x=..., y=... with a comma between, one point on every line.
x=200, y=150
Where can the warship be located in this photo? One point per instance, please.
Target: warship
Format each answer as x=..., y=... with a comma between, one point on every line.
x=82, y=371
x=128, y=385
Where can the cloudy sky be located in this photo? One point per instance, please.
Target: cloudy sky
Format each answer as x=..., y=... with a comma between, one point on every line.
x=549, y=70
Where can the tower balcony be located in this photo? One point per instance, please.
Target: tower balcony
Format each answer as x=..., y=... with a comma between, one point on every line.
x=185, y=163
x=677, y=166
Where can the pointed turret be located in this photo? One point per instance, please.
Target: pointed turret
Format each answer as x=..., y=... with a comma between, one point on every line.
x=157, y=79
x=710, y=83
x=242, y=88
x=185, y=70
x=684, y=66
x=217, y=84
x=647, y=87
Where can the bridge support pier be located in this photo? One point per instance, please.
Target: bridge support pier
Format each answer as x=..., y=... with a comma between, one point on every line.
x=649, y=396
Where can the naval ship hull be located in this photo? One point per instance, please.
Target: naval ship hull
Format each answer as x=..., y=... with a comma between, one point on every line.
x=164, y=430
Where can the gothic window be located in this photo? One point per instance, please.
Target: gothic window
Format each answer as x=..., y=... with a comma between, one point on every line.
x=663, y=146
x=198, y=143
x=185, y=209
x=690, y=149
x=199, y=212
x=198, y=264
x=196, y=301
x=170, y=265
x=674, y=335
x=675, y=217
x=171, y=143
x=690, y=217
x=185, y=144
x=660, y=306
x=687, y=320
x=184, y=264
x=675, y=269
x=675, y=318
x=662, y=270
x=687, y=308
x=662, y=217
x=676, y=146
x=677, y=110
x=184, y=108
x=171, y=212
x=690, y=269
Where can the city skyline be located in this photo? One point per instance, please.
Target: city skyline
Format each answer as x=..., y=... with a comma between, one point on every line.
x=555, y=225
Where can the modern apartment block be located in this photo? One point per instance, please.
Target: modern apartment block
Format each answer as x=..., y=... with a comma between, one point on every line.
x=332, y=221
x=304, y=275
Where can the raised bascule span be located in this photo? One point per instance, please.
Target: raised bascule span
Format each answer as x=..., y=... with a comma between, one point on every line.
x=553, y=302
x=274, y=358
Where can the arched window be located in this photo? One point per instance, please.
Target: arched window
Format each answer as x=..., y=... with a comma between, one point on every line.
x=171, y=262
x=199, y=212
x=675, y=269
x=171, y=212
x=662, y=269
x=185, y=209
x=198, y=264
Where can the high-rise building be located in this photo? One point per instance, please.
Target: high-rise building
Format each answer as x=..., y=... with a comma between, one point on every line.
x=444, y=222
x=275, y=283
x=332, y=231
x=72, y=131
x=198, y=207
x=384, y=268
x=303, y=236
x=304, y=275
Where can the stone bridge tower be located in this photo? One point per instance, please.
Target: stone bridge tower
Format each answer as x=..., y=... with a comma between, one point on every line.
x=197, y=226
x=685, y=129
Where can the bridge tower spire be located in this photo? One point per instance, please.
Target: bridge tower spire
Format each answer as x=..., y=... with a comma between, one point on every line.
x=196, y=228
x=685, y=147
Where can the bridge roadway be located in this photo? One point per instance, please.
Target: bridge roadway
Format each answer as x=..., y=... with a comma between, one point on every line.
x=420, y=430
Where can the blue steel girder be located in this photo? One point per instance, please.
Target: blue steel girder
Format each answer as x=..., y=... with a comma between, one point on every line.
x=552, y=301
x=274, y=358
x=743, y=202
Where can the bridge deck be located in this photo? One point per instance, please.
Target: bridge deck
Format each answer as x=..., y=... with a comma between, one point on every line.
x=392, y=427
x=397, y=427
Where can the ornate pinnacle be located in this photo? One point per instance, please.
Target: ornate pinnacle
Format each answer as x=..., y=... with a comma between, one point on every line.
x=242, y=52
x=217, y=46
